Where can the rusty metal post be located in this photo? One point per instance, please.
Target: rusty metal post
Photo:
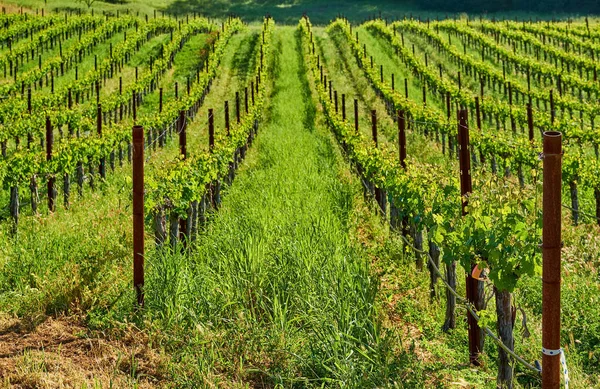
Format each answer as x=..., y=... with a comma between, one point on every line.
x=211, y=129
x=402, y=138
x=356, y=115
x=227, y=127
x=465, y=161
x=551, y=258
x=473, y=287
x=138, y=213
x=51, y=178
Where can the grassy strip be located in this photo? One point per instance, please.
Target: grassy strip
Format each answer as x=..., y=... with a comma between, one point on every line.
x=275, y=293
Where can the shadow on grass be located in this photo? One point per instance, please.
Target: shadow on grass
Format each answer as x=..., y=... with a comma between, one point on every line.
x=244, y=59
x=310, y=111
x=289, y=12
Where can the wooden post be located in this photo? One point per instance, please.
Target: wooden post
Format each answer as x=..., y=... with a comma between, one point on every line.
x=481, y=87
x=237, y=106
x=478, y=113
x=29, y=135
x=181, y=127
x=51, y=178
x=530, y=121
x=343, y=106
x=393, y=82
x=402, y=138
x=211, y=129
x=551, y=259
x=552, y=113
x=406, y=88
x=336, y=101
x=374, y=126
x=227, y=127
x=133, y=105
x=102, y=166
x=160, y=100
x=356, y=115
x=474, y=286
x=138, y=213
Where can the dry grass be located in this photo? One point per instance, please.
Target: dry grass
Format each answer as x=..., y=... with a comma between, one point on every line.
x=60, y=353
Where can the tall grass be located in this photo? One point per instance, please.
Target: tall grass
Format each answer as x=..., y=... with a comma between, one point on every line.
x=274, y=283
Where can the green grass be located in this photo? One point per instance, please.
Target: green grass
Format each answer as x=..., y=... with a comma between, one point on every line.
x=279, y=289
x=295, y=281
x=275, y=267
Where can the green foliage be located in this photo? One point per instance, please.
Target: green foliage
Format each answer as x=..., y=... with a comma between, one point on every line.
x=180, y=182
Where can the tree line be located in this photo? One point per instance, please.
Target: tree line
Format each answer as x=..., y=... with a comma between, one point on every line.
x=482, y=6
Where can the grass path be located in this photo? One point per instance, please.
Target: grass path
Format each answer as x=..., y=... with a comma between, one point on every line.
x=280, y=291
